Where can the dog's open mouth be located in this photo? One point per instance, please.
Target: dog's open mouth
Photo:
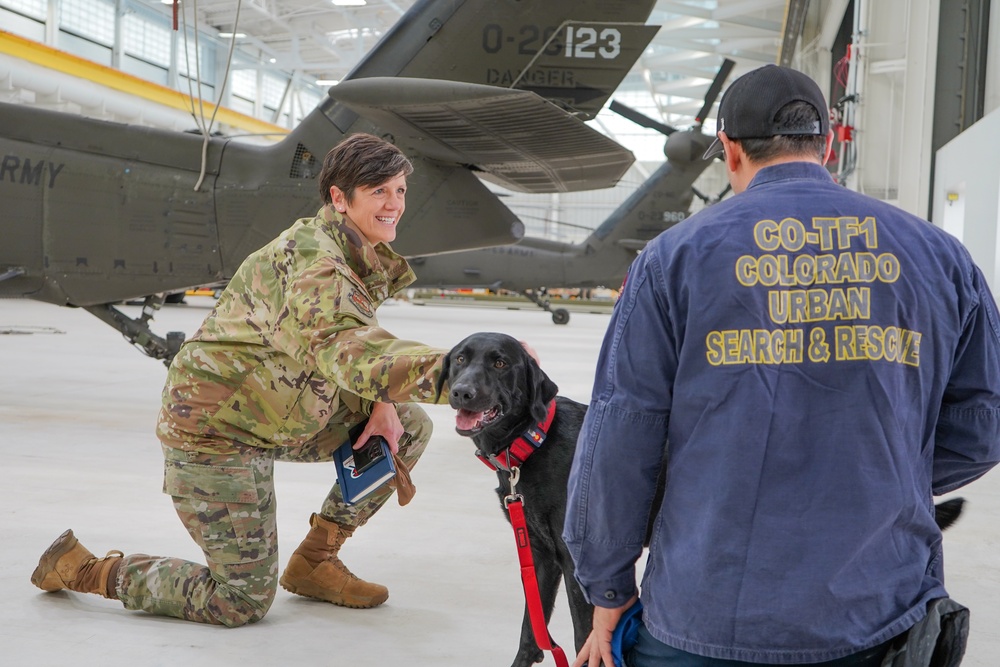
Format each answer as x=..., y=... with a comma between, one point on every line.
x=468, y=422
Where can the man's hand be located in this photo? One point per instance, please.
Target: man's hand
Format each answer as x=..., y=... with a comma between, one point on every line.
x=384, y=421
x=531, y=352
x=597, y=650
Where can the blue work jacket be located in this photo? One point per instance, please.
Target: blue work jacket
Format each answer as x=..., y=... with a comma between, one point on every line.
x=821, y=363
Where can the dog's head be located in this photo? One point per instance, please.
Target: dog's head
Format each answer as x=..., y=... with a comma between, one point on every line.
x=495, y=385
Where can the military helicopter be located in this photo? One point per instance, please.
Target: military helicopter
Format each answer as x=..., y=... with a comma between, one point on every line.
x=534, y=264
x=98, y=213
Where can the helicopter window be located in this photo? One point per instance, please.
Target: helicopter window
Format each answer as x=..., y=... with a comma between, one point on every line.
x=303, y=164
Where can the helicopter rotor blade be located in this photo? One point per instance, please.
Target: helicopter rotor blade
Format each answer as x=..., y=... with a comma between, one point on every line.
x=640, y=118
x=708, y=201
x=715, y=89
x=643, y=120
x=725, y=191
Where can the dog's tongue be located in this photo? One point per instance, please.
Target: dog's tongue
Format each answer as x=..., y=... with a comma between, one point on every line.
x=466, y=420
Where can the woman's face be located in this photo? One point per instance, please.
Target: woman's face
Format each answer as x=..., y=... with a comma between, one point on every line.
x=374, y=212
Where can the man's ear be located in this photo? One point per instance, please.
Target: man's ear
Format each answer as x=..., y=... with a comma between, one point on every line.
x=739, y=168
x=829, y=147
x=541, y=390
x=730, y=155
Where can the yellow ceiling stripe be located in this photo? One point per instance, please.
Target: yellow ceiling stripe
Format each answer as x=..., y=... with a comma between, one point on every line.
x=61, y=61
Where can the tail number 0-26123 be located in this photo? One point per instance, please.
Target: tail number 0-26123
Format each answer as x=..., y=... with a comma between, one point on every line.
x=581, y=41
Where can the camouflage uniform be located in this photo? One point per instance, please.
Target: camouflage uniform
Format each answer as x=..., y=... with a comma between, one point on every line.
x=290, y=359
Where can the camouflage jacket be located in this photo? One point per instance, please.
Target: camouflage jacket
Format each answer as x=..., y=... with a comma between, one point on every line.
x=293, y=337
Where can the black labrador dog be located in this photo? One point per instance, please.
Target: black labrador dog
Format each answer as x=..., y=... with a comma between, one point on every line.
x=500, y=393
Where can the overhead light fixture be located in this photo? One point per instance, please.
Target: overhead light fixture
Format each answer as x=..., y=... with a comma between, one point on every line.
x=228, y=35
x=350, y=3
x=327, y=82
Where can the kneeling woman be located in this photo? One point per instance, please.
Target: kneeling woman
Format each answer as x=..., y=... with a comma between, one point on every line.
x=289, y=360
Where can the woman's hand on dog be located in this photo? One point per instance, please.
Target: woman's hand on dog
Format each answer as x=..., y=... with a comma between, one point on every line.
x=597, y=650
x=531, y=352
x=384, y=421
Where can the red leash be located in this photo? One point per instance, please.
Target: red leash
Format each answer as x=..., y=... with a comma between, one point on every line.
x=514, y=504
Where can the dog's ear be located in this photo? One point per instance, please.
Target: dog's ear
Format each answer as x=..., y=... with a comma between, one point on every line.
x=443, y=378
x=541, y=390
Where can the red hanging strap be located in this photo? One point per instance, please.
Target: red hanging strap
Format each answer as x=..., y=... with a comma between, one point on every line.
x=528, y=578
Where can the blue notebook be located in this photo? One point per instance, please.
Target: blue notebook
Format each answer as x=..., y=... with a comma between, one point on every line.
x=361, y=471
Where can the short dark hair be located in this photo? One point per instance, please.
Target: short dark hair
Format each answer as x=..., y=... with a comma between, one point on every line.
x=361, y=160
x=793, y=116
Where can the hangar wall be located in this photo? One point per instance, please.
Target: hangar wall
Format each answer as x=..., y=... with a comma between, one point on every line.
x=967, y=175
x=967, y=194
x=905, y=91
x=894, y=58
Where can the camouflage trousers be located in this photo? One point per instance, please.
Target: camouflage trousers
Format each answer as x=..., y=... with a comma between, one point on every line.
x=227, y=504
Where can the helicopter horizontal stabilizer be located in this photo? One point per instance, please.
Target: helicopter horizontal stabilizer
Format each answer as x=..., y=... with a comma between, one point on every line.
x=513, y=138
x=632, y=244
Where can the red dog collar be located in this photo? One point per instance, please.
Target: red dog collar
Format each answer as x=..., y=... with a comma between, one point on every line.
x=523, y=446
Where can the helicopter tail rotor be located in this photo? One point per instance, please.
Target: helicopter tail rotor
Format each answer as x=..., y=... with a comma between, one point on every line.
x=640, y=118
x=714, y=89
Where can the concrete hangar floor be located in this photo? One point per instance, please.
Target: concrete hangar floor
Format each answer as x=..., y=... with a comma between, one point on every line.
x=77, y=409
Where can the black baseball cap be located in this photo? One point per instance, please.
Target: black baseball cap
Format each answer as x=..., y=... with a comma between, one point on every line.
x=749, y=105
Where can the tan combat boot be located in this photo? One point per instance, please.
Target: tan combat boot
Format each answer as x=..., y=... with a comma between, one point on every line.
x=67, y=564
x=315, y=571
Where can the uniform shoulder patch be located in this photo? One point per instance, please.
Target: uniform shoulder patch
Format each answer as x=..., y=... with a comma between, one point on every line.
x=361, y=302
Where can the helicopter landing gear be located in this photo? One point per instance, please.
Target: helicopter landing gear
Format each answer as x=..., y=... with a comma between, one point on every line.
x=137, y=331
x=559, y=315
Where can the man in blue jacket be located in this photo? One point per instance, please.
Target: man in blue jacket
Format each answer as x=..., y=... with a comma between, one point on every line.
x=821, y=364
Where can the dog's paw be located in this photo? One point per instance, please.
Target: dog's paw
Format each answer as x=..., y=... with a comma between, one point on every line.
x=528, y=657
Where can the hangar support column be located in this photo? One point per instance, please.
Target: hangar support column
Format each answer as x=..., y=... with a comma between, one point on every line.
x=895, y=117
